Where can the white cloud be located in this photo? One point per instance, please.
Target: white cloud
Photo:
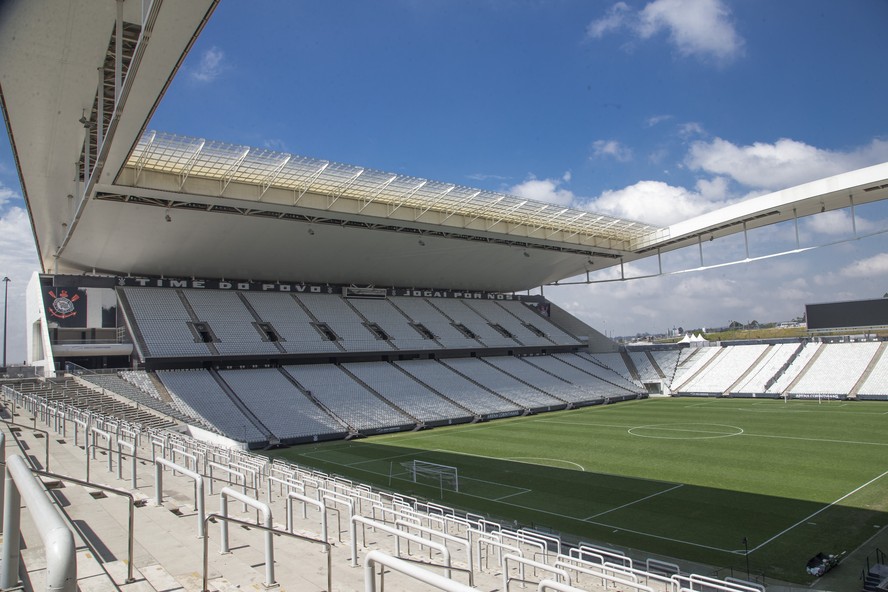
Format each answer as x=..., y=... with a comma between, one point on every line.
x=18, y=260
x=875, y=266
x=210, y=66
x=837, y=223
x=612, y=149
x=7, y=194
x=547, y=190
x=691, y=128
x=486, y=177
x=275, y=144
x=614, y=19
x=657, y=119
x=697, y=28
x=657, y=203
x=785, y=163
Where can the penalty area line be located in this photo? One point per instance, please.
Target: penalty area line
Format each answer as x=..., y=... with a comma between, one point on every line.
x=823, y=509
x=497, y=499
x=638, y=501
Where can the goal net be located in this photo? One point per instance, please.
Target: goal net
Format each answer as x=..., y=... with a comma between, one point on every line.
x=445, y=476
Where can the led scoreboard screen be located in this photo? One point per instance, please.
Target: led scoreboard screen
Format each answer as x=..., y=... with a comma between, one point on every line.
x=839, y=315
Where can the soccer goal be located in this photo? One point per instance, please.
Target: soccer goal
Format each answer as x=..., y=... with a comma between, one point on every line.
x=445, y=476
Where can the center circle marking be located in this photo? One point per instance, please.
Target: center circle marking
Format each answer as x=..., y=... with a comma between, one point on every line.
x=686, y=431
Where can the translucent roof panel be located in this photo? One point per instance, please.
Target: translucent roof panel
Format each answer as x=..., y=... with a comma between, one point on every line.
x=198, y=158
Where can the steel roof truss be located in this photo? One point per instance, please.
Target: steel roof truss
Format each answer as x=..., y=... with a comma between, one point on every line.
x=310, y=181
x=379, y=189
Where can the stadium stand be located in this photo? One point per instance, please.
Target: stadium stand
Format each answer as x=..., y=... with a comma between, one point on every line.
x=588, y=364
x=667, y=360
x=281, y=406
x=691, y=363
x=345, y=323
x=614, y=361
x=588, y=388
x=486, y=373
x=119, y=385
x=348, y=399
x=395, y=323
x=200, y=391
x=756, y=380
x=292, y=323
x=162, y=321
x=836, y=370
x=796, y=366
x=725, y=370
x=459, y=389
x=231, y=322
x=405, y=392
x=875, y=385
x=534, y=319
x=645, y=366
x=462, y=314
x=423, y=313
x=493, y=312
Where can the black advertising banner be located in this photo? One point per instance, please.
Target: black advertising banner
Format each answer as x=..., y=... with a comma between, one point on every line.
x=66, y=307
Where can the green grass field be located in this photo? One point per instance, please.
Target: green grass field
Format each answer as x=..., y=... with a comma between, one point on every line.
x=682, y=477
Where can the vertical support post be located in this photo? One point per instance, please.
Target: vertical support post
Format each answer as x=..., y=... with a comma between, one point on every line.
x=9, y=560
x=700, y=246
x=3, y=464
x=118, y=53
x=795, y=217
x=58, y=542
x=746, y=239
x=853, y=216
x=100, y=110
x=223, y=525
x=659, y=262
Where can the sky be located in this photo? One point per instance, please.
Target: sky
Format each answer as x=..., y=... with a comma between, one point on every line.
x=654, y=110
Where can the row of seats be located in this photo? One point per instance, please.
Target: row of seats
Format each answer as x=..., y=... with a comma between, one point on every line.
x=787, y=368
x=303, y=401
x=269, y=323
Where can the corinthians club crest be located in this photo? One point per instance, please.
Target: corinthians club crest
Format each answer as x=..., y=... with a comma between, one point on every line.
x=62, y=307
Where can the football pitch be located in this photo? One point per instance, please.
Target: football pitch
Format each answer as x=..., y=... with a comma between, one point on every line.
x=686, y=478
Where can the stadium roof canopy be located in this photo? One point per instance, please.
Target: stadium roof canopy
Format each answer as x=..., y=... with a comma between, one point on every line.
x=79, y=85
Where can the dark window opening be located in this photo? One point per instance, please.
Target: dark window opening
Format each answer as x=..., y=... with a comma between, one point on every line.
x=267, y=331
x=501, y=330
x=464, y=330
x=534, y=330
x=202, y=333
x=377, y=331
x=422, y=330
x=325, y=331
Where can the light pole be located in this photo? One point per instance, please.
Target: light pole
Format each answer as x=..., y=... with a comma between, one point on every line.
x=6, y=281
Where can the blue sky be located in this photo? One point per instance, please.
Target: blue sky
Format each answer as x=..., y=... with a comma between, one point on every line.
x=653, y=109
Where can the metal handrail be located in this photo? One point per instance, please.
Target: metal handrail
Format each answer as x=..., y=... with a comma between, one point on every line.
x=45, y=439
x=212, y=517
x=130, y=550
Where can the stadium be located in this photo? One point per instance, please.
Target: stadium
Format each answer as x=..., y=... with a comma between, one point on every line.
x=215, y=322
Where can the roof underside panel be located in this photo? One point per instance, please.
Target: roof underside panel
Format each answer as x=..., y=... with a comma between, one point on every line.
x=190, y=158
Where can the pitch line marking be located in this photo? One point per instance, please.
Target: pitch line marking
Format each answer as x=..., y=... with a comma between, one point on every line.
x=557, y=460
x=384, y=458
x=633, y=502
x=542, y=511
x=823, y=509
x=815, y=439
x=676, y=427
x=498, y=499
